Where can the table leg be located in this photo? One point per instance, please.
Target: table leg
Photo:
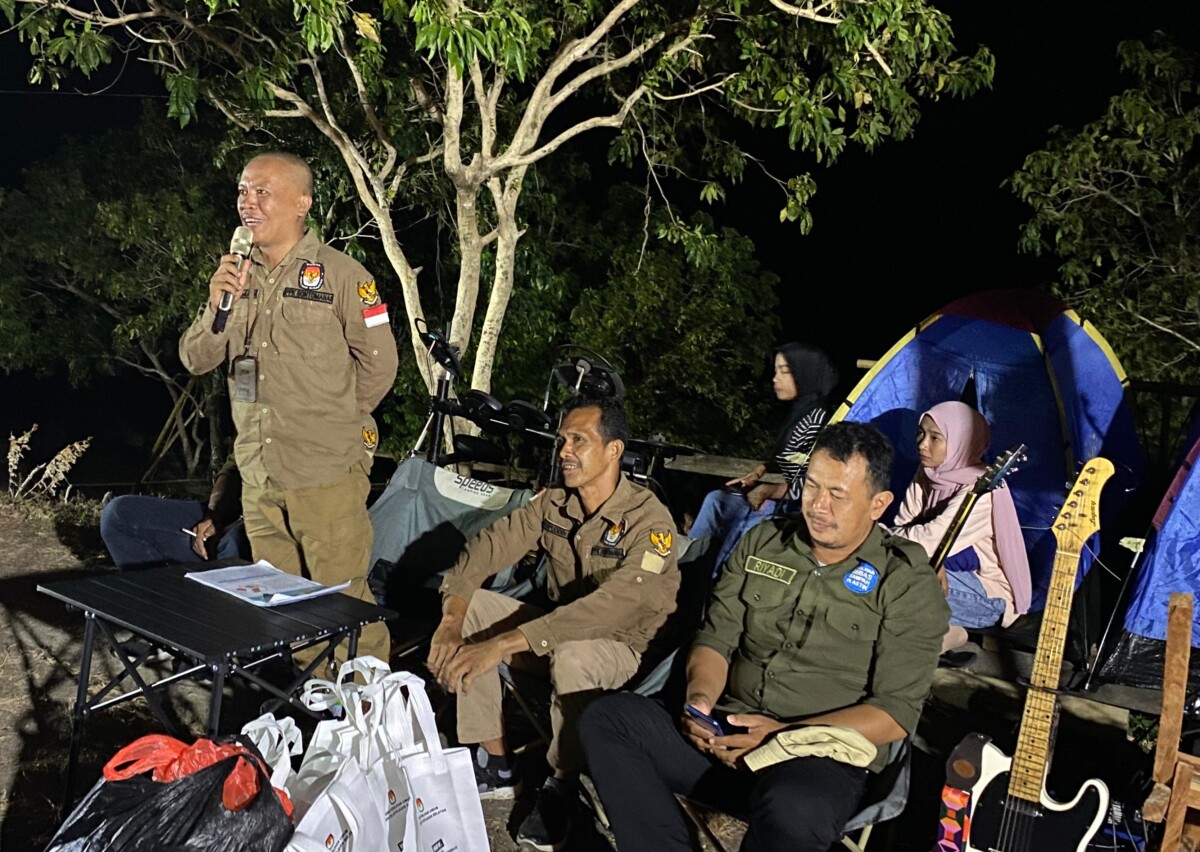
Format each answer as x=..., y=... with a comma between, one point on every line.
x=353, y=644
x=80, y=711
x=214, y=701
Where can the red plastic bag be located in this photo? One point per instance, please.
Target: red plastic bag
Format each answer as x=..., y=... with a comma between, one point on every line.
x=171, y=759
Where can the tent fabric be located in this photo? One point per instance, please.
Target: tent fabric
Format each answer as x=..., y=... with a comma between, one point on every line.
x=1040, y=375
x=1171, y=559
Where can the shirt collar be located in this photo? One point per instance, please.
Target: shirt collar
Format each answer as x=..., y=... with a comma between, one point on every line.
x=306, y=249
x=612, y=510
x=871, y=551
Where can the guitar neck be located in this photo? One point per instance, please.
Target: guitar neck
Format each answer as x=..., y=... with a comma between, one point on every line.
x=1036, y=741
x=1076, y=522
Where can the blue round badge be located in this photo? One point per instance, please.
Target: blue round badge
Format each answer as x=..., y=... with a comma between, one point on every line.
x=863, y=578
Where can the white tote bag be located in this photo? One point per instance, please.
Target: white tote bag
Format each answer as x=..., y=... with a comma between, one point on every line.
x=277, y=740
x=343, y=818
x=446, y=814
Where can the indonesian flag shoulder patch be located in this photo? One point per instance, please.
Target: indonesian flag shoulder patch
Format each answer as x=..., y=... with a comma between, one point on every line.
x=376, y=315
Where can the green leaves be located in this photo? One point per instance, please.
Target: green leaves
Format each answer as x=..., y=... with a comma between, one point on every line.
x=1119, y=202
x=182, y=91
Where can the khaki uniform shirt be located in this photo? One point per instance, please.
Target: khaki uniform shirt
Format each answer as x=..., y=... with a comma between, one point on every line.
x=613, y=575
x=803, y=639
x=326, y=357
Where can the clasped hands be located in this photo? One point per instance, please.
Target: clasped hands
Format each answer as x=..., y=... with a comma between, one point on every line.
x=729, y=748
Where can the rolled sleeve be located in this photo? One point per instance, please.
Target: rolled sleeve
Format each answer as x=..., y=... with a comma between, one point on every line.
x=500, y=545
x=200, y=350
x=907, y=651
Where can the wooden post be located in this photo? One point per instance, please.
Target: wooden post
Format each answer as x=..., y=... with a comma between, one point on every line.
x=1174, y=688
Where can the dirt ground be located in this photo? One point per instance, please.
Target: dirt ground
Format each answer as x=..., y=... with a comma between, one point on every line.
x=39, y=659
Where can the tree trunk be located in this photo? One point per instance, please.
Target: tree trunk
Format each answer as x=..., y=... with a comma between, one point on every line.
x=502, y=283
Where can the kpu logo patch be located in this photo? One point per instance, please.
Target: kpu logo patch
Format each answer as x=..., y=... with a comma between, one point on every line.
x=614, y=533
x=312, y=276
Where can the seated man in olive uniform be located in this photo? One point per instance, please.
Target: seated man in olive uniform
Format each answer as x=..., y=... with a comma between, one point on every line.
x=819, y=619
x=612, y=582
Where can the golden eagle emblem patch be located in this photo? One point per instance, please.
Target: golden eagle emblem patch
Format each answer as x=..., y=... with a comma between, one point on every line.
x=660, y=540
x=369, y=293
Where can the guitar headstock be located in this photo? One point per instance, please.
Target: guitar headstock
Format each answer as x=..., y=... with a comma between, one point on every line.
x=1079, y=518
x=995, y=472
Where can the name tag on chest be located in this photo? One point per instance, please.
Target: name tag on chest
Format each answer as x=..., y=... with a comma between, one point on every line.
x=610, y=552
x=770, y=570
x=308, y=295
x=554, y=529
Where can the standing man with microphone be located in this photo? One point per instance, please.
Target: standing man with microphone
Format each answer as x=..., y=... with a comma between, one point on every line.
x=310, y=353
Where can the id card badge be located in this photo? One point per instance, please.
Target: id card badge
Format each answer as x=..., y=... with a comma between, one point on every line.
x=245, y=379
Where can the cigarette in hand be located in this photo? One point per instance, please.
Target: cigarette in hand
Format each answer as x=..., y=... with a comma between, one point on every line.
x=189, y=532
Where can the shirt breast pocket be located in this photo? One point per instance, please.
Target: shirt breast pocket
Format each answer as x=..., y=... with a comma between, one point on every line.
x=306, y=328
x=852, y=632
x=768, y=613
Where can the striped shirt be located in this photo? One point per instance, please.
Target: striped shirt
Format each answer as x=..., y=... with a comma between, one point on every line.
x=792, y=458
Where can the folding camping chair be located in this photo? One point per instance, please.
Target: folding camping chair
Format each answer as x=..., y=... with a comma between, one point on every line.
x=885, y=797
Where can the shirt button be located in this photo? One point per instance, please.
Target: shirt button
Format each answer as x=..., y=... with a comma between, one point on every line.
x=374, y=351
x=270, y=281
x=268, y=440
x=264, y=345
x=771, y=675
x=264, y=411
x=787, y=644
x=268, y=313
x=639, y=579
x=758, y=597
x=544, y=643
x=262, y=378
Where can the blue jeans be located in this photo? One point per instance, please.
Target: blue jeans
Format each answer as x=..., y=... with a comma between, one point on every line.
x=969, y=604
x=727, y=516
x=144, y=531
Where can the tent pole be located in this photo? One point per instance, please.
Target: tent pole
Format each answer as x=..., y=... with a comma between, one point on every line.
x=1136, y=545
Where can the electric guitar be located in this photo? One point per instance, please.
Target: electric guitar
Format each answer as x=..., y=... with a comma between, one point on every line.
x=989, y=480
x=1009, y=809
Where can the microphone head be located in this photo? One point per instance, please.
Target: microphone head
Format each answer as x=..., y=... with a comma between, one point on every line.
x=242, y=242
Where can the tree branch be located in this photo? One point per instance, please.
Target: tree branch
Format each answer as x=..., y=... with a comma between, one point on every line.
x=365, y=103
x=1186, y=340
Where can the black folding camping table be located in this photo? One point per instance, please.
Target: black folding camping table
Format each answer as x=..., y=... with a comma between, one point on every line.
x=205, y=629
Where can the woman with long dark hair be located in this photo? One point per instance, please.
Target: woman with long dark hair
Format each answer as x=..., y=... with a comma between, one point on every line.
x=804, y=377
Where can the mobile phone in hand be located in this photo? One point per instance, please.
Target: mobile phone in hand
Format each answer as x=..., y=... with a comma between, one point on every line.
x=705, y=721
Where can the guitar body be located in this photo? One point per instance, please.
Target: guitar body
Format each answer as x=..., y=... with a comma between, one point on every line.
x=1046, y=827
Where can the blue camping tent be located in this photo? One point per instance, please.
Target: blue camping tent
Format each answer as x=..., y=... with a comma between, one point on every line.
x=1170, y=562
x=1039, y=374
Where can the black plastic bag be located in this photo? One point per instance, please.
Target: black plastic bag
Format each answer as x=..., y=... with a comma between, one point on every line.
x=142, y=815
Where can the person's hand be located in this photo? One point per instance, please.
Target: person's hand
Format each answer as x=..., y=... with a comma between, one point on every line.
x=729, y=749
x=741, y=483
x=695, y=733
x=205, y=530
x=470, y=662
x=941, y=575
x=760, y=494
x=446, y=642
x=227, y=279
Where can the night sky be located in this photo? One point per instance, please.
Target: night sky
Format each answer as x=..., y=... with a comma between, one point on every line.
x=897, y=233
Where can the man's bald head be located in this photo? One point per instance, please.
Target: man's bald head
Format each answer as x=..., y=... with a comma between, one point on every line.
x=296, y=167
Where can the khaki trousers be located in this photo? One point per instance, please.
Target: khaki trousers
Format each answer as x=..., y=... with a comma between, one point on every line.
x=323, y=533
x=578, y=672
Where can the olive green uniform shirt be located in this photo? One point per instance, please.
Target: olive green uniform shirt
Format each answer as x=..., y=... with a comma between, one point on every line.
x=326, y=357
x=803, y=639
x=612, y=576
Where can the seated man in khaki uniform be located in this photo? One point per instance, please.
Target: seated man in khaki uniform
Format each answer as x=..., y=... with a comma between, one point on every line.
x=310, y=354
x=823, y=619
x=612, y=582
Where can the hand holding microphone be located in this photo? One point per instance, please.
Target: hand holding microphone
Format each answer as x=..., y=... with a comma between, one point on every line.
x=229, y=280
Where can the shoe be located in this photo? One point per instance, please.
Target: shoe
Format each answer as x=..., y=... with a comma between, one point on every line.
x=494, y=782
x=548, y=825
x=955, y=659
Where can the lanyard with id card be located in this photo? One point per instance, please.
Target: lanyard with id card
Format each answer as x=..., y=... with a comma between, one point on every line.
x=245, y=366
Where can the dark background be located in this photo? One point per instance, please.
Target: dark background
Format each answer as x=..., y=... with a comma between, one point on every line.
x=898, y=232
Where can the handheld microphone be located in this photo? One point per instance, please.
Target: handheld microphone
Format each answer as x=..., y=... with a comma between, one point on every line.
x=240, y=245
